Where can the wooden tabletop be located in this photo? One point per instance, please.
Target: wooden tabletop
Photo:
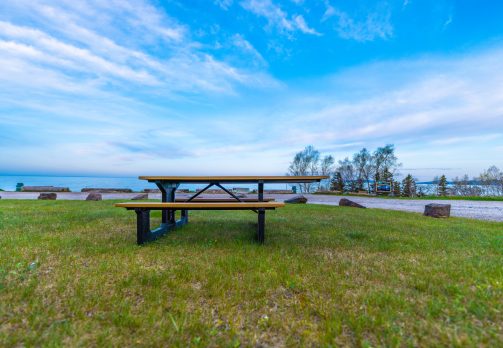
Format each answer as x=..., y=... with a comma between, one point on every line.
x=235, y=179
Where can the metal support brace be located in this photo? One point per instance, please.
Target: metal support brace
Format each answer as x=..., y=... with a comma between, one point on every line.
x=229, y=192
x=200, y=192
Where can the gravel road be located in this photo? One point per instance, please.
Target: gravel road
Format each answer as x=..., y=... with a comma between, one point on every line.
x=482, y=210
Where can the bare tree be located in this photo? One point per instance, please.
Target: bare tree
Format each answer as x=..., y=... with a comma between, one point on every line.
x=305, y=162
x=326, y=168
x=385, y=162
x=492, y=181
x=348, y=173
x=365, y=166
x=465, y=187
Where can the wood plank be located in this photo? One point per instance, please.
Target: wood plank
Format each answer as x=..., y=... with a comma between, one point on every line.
x=236, y=179
x=222, y=200
x=189, y=205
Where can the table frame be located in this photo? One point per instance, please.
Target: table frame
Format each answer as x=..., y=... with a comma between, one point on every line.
x=169, y=185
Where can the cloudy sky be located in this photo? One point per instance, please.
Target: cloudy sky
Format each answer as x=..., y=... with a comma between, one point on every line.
x=130, y=87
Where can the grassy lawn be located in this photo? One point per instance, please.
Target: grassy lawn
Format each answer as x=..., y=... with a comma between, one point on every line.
x=71, y=274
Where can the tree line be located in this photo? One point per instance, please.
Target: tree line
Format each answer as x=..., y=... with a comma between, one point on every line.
x=488, y=183
x=369, y=170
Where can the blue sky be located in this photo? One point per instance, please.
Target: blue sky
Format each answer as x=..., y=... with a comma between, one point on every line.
x=132, y=87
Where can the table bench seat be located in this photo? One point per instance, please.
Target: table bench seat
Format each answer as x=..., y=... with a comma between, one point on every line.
x=143, y=209
x=222, y=200
x=201, y=205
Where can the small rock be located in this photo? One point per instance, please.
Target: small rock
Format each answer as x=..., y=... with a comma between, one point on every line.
x=140, y=196
x=94, y=196
x=47, y=195
x=437, y=210
x=344, y=202
x=296, y=200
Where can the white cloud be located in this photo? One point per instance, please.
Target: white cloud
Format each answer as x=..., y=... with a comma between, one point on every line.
x=224, y=4
x=244, y=45
x=427, y=106
x=374, y=25
x=110, y=42
x=277, y=18
x=448, y=21
x=469, y=139
x=302, y=25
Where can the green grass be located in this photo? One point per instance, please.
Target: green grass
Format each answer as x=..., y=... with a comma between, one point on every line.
x=428, y=197
x=71, y=275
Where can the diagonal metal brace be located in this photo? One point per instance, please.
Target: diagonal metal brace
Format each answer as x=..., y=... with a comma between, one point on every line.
x=233, y=195
x=200, y=192
x=229, y=192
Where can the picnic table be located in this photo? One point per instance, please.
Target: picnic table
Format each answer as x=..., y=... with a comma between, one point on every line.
x=169, y=204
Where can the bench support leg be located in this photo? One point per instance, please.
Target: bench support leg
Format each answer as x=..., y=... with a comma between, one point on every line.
x=261, y=226
x=145, y=234
x=142, y=225
x=185, y=216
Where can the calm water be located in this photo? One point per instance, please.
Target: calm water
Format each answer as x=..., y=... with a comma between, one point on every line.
x=76, y=183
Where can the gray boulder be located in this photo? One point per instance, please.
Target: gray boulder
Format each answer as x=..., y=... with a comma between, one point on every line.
x=140, y=197
x=94, y=196
x=437, y=210
x=296, y=200
x=47, y=195
x=344, y=202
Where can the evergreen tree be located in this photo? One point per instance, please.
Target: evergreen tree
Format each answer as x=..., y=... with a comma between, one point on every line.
x=408, y=186
x=387, y=176
x=420, y=192
x=337, y=183
x=396, y=188
x=442, y=186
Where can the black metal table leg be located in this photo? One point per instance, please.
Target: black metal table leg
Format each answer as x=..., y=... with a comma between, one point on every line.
x=164, y=198
x=184, y=216
x=168, y=191
x=142, y=225
x=261, y=226
x=261, y=191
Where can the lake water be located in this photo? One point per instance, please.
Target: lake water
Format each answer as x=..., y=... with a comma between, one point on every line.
x=76, y=183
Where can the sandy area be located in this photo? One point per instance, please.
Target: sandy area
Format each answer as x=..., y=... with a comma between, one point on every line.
x=492, y=211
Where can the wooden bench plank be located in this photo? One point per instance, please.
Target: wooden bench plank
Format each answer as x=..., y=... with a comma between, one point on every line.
x=222, y=200
x=201, y=206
